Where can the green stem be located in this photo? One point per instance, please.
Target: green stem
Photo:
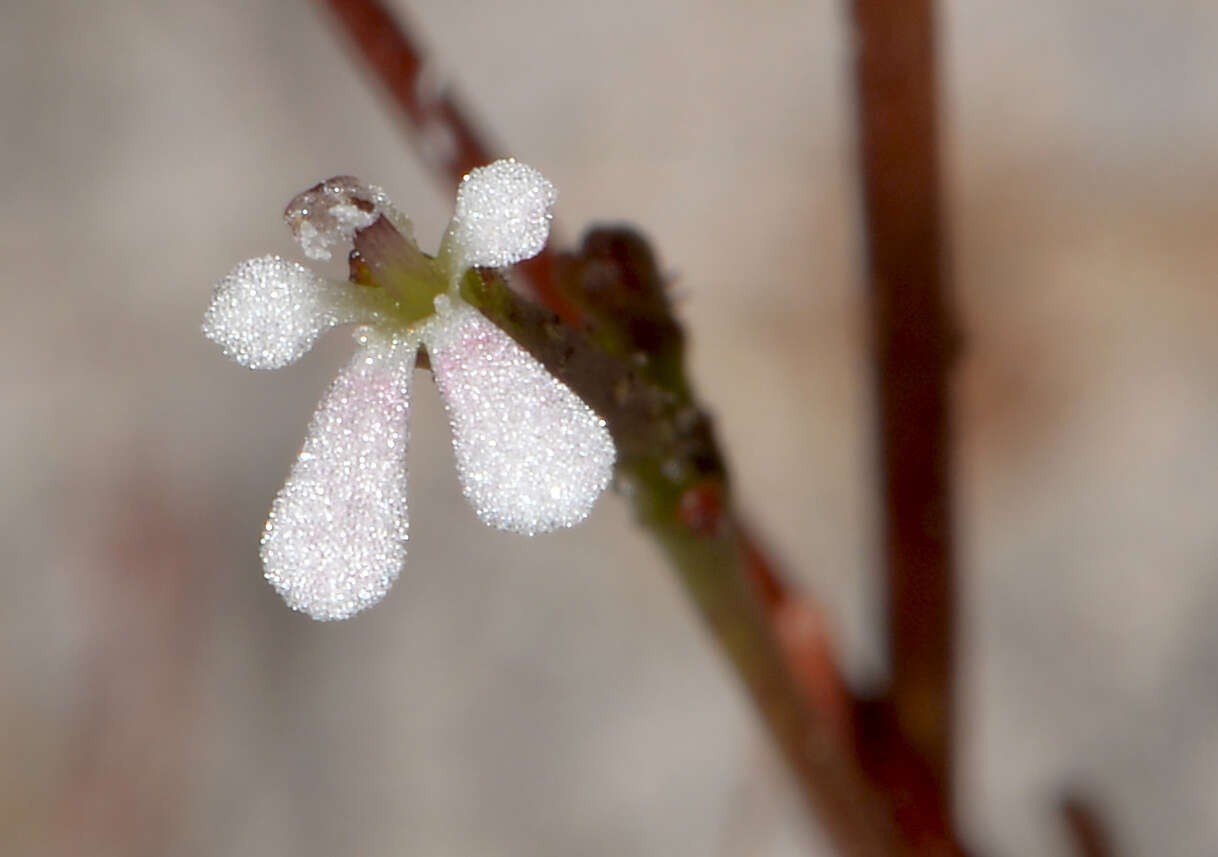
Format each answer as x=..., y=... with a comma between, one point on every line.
x=711, y=566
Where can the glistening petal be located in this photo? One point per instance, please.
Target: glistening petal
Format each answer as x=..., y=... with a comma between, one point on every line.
x=336, y=537
x=268, y=311
x=531, y=455
x=502, y=216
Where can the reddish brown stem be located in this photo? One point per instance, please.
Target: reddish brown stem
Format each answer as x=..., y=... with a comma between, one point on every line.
x=802, y=628
x=913, y=337
x=441, y=129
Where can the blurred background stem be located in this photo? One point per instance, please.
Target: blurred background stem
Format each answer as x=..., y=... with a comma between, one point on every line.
x=907, y=735
x=913, y=340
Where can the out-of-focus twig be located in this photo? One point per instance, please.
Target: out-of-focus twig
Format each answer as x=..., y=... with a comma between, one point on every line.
x=804, y=634
x=441, y=129
x=914, y=338
x=1086, y=826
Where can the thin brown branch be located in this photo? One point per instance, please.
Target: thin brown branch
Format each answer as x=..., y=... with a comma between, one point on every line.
x=440, y=127
x=914, y=339
x=803, y=630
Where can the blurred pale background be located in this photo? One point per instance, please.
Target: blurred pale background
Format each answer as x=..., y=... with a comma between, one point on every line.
x=556, y=696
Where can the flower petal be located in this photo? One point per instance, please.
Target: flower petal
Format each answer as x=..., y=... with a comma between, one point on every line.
x=335, y=540
x=268, y=311
x=503, y=215
x=531, y=455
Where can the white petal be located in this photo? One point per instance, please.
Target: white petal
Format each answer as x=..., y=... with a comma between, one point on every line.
x=531, y=455
x=268, y=311
x=503, y=214
x=336, y=537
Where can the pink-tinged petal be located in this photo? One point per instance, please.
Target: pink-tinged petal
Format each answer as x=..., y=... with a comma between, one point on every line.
x=531, y=455
x=268, y=311
x=335, y=540
x=502, y=216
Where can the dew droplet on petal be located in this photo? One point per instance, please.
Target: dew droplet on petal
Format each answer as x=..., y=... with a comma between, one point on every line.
x=503, y=214
x=336, y=537
x=330, y=212
x=268, y=311
x=531, y=456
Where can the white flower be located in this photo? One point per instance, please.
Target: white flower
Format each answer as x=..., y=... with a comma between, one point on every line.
x=531, y=455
